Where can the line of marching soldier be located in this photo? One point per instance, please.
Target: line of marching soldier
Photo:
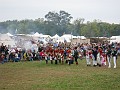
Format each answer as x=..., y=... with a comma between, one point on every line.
x=61, y=55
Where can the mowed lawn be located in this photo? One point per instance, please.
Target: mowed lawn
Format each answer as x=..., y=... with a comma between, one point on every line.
x=37, y=75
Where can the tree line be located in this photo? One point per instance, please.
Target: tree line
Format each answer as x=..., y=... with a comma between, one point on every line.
x=60, y=23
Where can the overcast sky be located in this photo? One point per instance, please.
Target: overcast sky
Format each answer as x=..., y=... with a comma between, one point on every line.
x=105, y=10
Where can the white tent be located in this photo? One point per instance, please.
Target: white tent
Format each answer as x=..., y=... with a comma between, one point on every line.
x=55, y=36
x=6, y=40
x=67, y=37
x=9, y=34
x=115, y=39
x=60, y=40
x=81, y=37
x=46, y=36
x=42, y=40
x=37, y=35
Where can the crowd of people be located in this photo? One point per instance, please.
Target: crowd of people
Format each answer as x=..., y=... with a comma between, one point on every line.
x=97, y=54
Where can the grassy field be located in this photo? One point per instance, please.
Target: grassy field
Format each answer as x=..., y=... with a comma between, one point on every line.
x=39, y=76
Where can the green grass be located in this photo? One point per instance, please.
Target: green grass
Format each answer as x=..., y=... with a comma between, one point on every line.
x=39, y=76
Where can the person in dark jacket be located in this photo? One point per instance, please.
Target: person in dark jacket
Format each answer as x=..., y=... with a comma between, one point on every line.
x=109, y=51
x=114, y=55
x=76, y=55
x=94, y=53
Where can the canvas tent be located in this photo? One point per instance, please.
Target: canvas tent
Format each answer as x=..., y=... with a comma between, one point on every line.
x=60, y=40
x=115, y=39
x=81, y=37
x=37, y=35
x=6, y=40
x=9, y=34
x=55, y=36
x=67, y=37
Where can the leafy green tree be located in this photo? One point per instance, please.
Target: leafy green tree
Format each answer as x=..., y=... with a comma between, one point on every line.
x=40, y=25
x=22, y=27
x=58, y=21
x=78, y=23
x=104, y=29
x=95, y=28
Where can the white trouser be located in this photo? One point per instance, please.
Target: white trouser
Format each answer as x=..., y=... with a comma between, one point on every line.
x=109, y=61
x=98, y=60
x=94, y=61
x=88, y=60
x=114, y=60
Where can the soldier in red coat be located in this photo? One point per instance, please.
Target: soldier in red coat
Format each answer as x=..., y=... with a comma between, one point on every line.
x=56, y=55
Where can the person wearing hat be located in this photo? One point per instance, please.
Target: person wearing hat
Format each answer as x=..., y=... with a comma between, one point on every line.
x=109, y=52
x=88, y=57
x=76, y=55
x=94, y=53
x=114, y=55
